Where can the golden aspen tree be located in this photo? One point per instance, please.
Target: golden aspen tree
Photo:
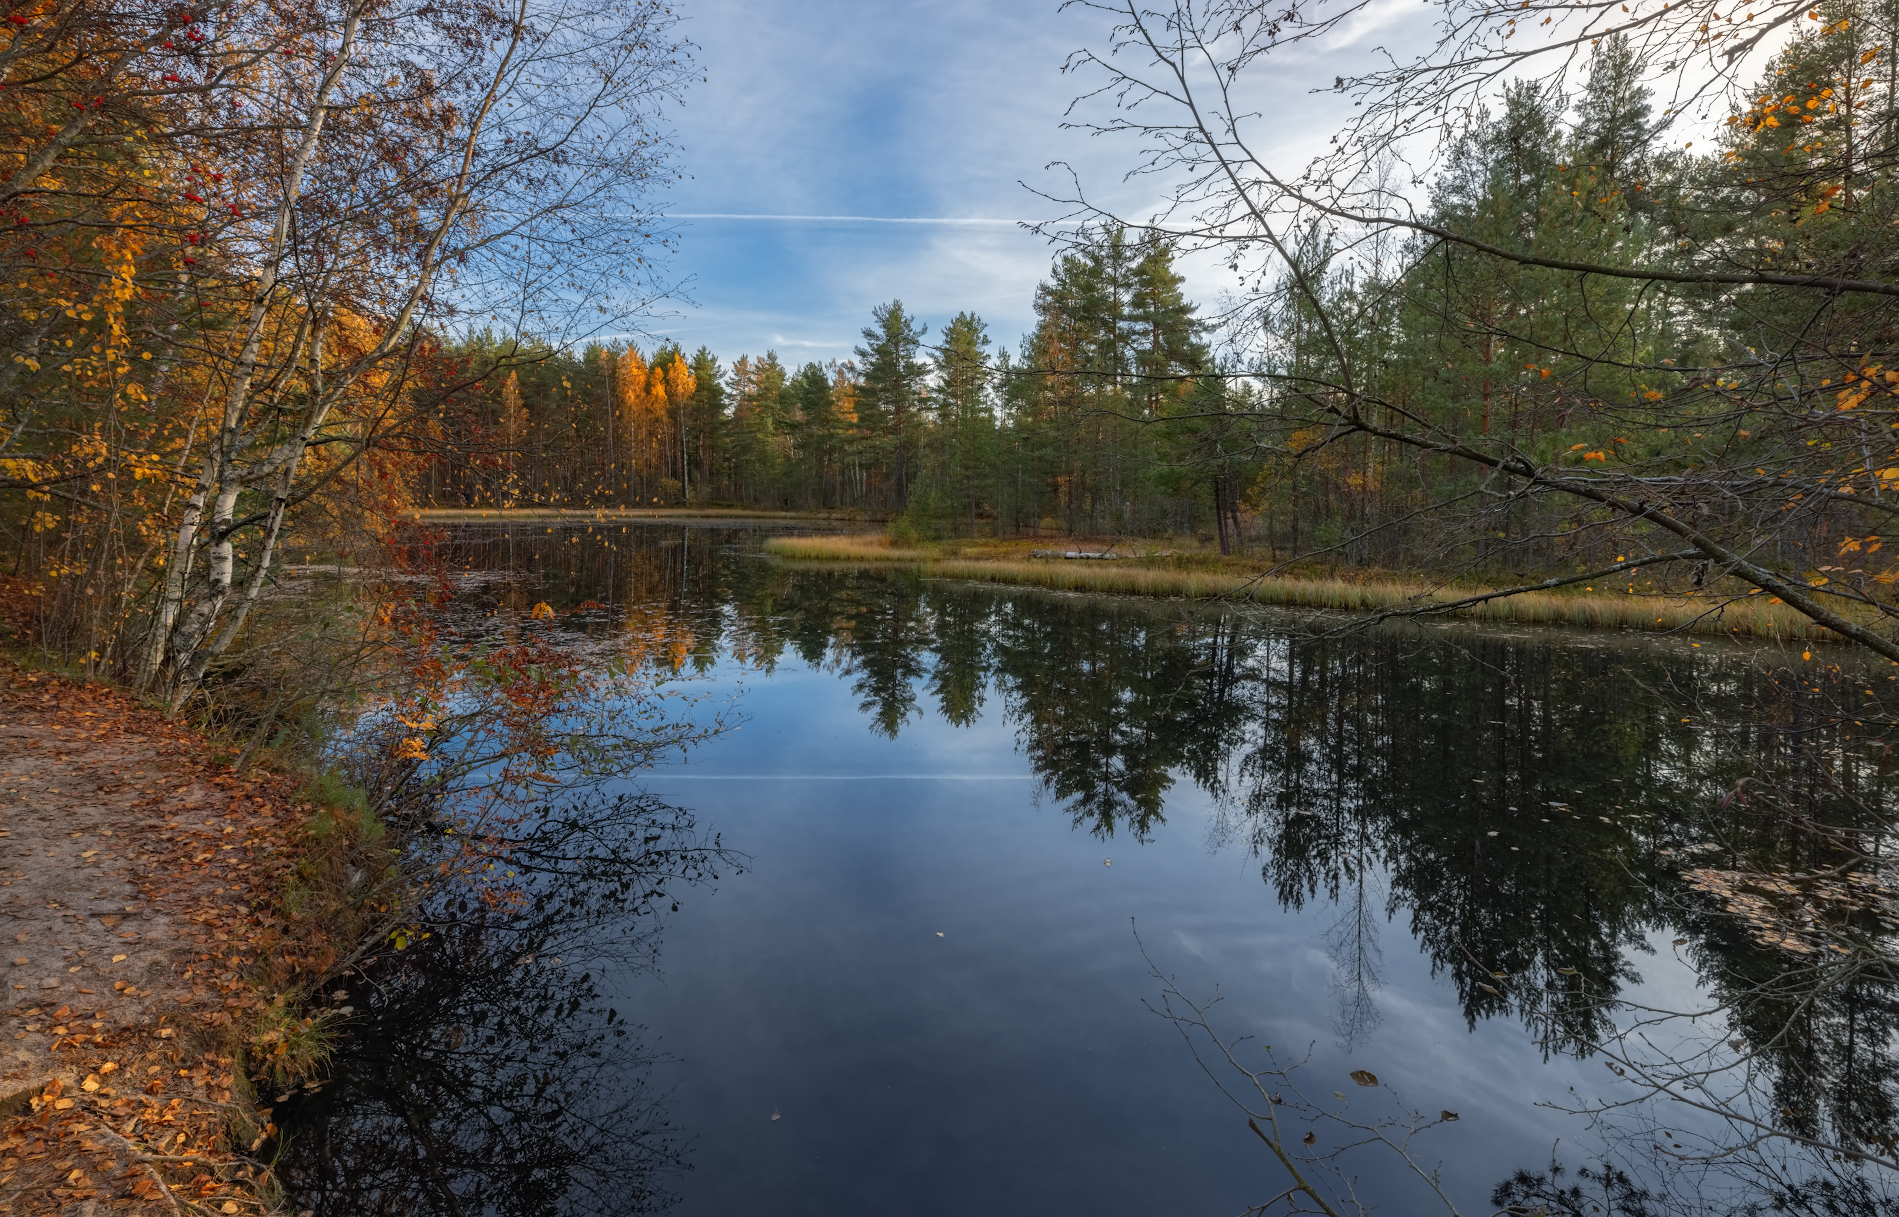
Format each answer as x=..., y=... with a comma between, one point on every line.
x=630, y=404
x=513, y=436
x=680, y=386
x=654, y=446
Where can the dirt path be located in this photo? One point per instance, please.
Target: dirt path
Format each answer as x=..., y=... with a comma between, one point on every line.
x=137, y=896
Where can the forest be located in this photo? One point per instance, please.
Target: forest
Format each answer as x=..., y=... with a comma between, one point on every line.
x=1578, y=298
x=1392, y=399
x=249, y=312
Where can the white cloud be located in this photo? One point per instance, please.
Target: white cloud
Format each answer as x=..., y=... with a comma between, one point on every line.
x=845, y=153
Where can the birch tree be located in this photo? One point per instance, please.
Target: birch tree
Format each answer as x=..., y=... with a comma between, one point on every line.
x=428, y=165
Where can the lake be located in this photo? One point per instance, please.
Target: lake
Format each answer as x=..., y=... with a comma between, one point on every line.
x=968, y=829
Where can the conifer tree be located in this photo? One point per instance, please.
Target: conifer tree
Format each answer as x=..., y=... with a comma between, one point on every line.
x=893, y=392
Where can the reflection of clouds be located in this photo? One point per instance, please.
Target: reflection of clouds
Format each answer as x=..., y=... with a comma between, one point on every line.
x=1512, y=800
x=1192, y=945
x=819, y=109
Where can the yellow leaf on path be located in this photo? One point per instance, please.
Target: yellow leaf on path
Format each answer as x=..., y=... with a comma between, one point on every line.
x=90, y=1084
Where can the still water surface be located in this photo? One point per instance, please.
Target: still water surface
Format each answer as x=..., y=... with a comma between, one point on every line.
x=954, y=808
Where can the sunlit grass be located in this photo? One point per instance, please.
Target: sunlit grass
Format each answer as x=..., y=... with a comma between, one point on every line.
x=507, y=515
x=870, y=548
x=1751, y=617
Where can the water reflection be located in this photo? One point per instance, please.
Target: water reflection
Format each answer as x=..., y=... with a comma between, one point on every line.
x=483, y=1072
x=1534, y=810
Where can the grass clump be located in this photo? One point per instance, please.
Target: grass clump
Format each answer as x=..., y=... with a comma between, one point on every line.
x=341, y=807
x=288, y=1048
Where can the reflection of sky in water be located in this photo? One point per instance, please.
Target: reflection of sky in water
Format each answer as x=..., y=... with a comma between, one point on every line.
x=929, y=970
x=1009, y=1066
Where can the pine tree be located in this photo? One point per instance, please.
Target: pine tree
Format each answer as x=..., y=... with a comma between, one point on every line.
x=964, y=419
x=705, y=419
x=811, y=417
x=759, y=443
x=893, y=391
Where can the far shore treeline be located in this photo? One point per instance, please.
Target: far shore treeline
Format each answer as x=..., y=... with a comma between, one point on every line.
x=947, y=429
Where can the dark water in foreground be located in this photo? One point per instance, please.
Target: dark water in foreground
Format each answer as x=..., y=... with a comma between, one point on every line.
x=957, y=806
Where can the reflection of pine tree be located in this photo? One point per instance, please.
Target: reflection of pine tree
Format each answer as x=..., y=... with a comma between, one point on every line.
x=1367, y=764
x=1352, y=942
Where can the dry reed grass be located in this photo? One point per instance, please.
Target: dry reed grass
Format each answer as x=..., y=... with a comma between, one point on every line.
x=854, y=548
x=1748, y=617
x=540, y=515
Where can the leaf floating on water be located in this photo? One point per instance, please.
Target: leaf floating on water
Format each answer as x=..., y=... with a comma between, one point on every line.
x=775, y=1116
x=1486, y=988
x=1447, y=1116
x=1107, y=862
x=939, y=933
x=1566, y=971
x=1311, y=1137
x=1364, y=1077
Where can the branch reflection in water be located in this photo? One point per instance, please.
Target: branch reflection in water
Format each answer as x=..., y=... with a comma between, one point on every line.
x=482, y=1072
x=1541, y=812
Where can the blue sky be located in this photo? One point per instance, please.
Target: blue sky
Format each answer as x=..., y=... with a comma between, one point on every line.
x=922, y=110
x=894, y=109
x=900, y=111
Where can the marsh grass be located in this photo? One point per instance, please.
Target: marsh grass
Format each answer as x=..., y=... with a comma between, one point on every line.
x=869, y=548
x=1187, y=577
x=615, y=515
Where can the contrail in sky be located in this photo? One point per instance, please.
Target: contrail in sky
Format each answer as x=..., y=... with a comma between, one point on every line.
x=844, y=777
x=729, y=215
